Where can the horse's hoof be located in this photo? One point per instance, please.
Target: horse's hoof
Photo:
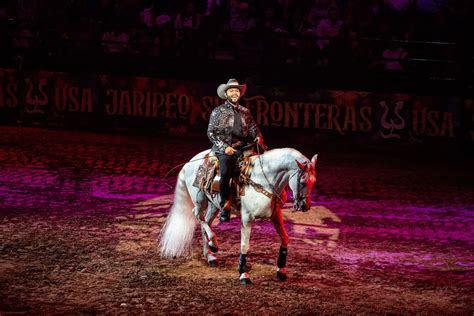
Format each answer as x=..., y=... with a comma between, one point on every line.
x=213, y=249
x=213, y=263
x=281, y=276
x=245, y=279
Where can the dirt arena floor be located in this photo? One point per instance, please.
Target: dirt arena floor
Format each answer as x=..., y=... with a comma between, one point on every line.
x=80, y=213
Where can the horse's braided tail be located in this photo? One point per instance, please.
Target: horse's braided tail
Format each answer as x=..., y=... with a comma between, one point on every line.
x=177, y=233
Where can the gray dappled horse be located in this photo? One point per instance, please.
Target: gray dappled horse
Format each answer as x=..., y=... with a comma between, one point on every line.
x=264, y=196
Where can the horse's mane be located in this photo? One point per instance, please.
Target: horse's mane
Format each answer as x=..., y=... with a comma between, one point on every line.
x=277, y=153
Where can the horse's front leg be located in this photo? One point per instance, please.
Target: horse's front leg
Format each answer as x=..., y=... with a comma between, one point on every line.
x=277, y=220
x=245, y=231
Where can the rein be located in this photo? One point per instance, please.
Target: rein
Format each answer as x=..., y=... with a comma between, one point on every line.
x=177, y=166
x=298, y=180
x=259, y=187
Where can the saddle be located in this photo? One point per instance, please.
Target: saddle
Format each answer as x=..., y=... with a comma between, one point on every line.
x=208, y=173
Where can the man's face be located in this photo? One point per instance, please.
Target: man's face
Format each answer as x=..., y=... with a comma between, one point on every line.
x=233, y=95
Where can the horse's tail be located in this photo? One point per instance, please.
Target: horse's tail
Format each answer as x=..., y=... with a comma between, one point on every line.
x=177, y=233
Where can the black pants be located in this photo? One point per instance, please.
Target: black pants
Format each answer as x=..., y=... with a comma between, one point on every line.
x=227, y=166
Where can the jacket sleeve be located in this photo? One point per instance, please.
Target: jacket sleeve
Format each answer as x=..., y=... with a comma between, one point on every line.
x=214, y=133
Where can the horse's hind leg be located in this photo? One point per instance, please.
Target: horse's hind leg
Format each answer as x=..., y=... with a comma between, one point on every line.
x=208, y=251
x=200, y=211
x=208, y=254
x=277, y=220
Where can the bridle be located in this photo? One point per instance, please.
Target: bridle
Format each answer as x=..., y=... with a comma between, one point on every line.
x=299, y=198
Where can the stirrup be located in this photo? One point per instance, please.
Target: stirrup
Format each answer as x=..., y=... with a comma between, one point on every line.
x=224, y=216
x=225, y=212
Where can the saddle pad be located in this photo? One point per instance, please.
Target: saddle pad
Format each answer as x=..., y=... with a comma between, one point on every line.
x=206, y=172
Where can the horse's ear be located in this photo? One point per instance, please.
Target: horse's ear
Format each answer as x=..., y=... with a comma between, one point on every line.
x=301, y=165
x=314, y=160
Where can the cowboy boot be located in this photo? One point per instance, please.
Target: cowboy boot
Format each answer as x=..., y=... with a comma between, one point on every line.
x=225, y=211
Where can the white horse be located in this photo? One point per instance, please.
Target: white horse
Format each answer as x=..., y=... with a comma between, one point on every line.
x=264, y=196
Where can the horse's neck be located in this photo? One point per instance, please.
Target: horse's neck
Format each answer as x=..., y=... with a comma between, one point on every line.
x=278, y=165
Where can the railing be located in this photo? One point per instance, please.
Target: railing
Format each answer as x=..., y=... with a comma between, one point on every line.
x=429, y=59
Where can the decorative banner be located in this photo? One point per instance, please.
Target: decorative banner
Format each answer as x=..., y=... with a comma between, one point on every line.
x=62, y=99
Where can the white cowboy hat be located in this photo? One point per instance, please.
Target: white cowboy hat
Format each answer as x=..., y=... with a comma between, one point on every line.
x=232, y=83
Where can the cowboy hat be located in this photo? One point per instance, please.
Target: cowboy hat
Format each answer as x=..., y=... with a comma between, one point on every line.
x=232, y=83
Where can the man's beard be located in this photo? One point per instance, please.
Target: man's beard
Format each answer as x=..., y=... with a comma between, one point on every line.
x=229, y=98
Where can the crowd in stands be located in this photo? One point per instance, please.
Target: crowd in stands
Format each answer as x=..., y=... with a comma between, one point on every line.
x=313, y=32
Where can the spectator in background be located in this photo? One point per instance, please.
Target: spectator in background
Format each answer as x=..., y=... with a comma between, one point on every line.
x=293, y=19
x=25, y=37
x=399, y=6
x=271, y=23
x=147, y=16
x=211, y=30
x=232, y=8
x=164, y=40
x=356, y=47
x=115, y=41
x=272, y=35
x=162, y=19
x=188, y=18
x=371, y=17
x=393, y=56
x=329, y=31
x=319, y=10
x=309, y=24
x=430, y=7
x=185, y=24
x=140, y=41
x=242, y=21
x=213, y=22
x=152, y=10
x=27, y=10
x=212, y=5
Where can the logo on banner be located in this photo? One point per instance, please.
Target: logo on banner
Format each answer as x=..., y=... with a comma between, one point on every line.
x=392, y=123
x=35, y=99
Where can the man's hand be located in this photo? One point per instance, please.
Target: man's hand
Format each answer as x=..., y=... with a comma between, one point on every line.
x=258, y=140
x=229, y=150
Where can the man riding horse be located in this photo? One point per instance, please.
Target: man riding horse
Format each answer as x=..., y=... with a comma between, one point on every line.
x=231, y=128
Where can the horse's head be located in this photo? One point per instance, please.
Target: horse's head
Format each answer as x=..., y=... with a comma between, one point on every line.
x=302, y=183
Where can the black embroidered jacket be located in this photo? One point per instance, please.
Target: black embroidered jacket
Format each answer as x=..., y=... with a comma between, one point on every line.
x=221, y=124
